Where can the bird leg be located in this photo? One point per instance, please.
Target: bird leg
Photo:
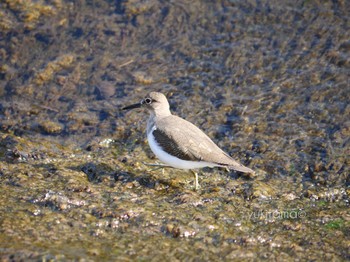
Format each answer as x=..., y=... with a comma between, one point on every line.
x=196, y=184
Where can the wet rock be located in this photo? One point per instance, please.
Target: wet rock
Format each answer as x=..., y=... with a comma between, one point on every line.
x=173, y=230
x=291, y=225
x=58, y=201
x=240, y=254
x=14, y=155
x=289, y=196
x=50, y=127
x=52, y=68
x=105, y=90
x=188, y=198
x=142, y=78
x=98, y=172
x=98, y=143
x=177, y=231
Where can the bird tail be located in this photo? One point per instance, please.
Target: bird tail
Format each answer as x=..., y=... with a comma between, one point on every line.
x=242, y=168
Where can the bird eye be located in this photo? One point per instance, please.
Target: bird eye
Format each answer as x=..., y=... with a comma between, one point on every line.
x=148, y=100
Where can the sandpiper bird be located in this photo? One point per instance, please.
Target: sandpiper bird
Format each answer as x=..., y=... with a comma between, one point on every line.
x=180, y=144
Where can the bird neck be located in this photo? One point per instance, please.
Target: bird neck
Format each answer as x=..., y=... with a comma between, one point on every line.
x=161, y=112
x=157, y=114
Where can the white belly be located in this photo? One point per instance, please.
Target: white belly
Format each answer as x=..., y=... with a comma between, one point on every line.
x=172, y=160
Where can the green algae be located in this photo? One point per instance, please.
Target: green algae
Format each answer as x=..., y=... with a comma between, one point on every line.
x=336, y=224
x=65, y=213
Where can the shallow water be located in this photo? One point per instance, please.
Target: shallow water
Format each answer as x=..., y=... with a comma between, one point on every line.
x=267, y=80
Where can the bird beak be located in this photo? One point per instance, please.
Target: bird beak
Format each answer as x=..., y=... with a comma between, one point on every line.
x=132, y=106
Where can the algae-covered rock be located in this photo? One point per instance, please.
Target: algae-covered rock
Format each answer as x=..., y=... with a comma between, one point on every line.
x=50, y=127
x=270, y=87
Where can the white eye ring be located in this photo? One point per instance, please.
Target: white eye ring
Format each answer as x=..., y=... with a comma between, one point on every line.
x=148, y=100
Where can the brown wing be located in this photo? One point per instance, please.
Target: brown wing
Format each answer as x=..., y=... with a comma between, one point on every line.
x=172, y=147
x=188, y=142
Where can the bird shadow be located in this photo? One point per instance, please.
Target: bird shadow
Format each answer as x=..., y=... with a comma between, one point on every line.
x=102, y=173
